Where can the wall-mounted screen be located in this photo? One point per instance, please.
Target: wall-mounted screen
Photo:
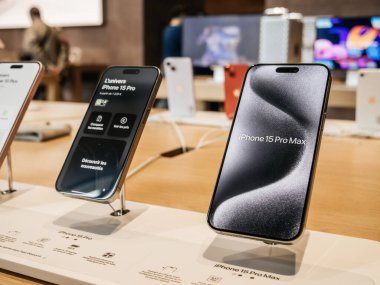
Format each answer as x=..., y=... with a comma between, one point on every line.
x=220, y=40
x=348, y=43
x=14, y=14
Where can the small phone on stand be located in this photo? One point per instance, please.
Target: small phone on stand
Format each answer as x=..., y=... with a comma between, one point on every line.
x=233, y=81
x=368, y=100
x=180, y=86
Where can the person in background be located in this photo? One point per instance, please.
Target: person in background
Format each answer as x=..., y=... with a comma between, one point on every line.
x=43, y=43
x=172, y=35
x=172, y=41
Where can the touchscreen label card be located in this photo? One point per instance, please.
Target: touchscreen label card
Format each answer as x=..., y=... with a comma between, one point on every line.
x=93, y=165
x=97, y=123
x=122, y=125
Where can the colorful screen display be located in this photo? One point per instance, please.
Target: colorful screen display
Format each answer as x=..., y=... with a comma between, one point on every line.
x=348, y=43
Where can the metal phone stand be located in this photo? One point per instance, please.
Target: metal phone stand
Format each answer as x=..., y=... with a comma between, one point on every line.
x=122, y=211
x=10, y=189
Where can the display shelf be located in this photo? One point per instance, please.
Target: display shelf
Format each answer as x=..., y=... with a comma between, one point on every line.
x=67, y=241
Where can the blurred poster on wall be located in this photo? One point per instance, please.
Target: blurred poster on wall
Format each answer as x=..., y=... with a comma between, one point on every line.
x=14, y=14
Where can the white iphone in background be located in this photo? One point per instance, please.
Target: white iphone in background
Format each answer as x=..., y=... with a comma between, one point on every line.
x=18, y=83
x=180, y=88
x=368, y=100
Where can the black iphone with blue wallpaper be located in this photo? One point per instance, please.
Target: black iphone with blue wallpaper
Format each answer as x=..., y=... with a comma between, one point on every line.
x=265, y=180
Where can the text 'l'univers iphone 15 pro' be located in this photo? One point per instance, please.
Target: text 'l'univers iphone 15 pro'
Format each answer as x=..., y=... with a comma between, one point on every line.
x=103, y=148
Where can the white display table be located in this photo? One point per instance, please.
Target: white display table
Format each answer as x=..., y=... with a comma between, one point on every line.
x=67, y=241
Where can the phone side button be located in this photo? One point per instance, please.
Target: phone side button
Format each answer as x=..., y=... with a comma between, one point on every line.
x=145, y=118
x=323, y=122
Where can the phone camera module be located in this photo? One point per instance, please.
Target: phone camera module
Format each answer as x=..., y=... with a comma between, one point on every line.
x=287, y=69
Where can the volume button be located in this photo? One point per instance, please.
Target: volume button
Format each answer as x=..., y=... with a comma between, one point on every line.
x=145, y=119
x=323, y=121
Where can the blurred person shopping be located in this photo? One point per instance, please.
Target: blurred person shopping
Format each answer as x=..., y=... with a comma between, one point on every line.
x=42, y=43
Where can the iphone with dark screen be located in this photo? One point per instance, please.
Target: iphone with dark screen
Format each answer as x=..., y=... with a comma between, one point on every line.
x=103, y=148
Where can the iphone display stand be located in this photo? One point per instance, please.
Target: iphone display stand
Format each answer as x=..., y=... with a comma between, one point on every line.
x=10, y=189
x=122, y=211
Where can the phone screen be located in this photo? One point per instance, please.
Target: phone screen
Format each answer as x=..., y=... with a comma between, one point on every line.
x=16, y=81
x=107, y=134
x=263, y=183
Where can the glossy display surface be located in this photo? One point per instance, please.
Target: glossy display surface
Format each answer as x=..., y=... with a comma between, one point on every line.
x=107, y=134
x=348, y=43
x=266, y=172
x=16, y=80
